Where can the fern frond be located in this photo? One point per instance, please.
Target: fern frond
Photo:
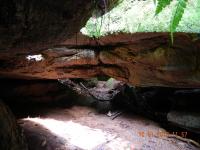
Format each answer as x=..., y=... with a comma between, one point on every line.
x=180, y=7
x=161, y=4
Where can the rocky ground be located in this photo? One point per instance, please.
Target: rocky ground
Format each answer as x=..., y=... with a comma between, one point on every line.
x=84, y=128
x=100, y=113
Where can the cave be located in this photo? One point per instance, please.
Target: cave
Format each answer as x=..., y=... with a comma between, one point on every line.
x=99, y=75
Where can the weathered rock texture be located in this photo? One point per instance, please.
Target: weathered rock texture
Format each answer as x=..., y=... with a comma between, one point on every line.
x=144, y=59
x=30, y=24
x=38, y=24
x=11, y=138
x=185, y=119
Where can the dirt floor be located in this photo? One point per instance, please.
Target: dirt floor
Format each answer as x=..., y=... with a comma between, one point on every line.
x=84, y=128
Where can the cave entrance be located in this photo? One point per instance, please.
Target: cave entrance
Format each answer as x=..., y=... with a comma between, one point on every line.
x=41, y=41
x=102, y=113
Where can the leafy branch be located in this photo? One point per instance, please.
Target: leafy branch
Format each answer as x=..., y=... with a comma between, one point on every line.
x=177, y=15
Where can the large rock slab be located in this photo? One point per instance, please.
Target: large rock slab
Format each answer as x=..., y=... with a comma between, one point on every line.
x=142, y=61
x=190, y=120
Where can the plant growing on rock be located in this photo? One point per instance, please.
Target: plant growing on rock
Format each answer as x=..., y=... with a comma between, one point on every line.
x=177, y=15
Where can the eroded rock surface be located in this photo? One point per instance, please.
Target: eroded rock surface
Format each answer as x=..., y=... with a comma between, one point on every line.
x=31, y=24
x=143, y=61
x=185, y=119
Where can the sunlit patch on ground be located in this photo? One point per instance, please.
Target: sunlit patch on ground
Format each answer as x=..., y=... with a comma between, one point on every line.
x=83, y=128
x=81, y=136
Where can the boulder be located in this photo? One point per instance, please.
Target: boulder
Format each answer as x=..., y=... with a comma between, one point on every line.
x=184, y=119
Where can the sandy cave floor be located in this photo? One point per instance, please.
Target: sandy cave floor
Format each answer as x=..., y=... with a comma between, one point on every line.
x=83, y=128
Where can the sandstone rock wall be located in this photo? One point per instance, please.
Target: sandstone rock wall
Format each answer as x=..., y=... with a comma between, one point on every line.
x=143, y=60
x=32, y=24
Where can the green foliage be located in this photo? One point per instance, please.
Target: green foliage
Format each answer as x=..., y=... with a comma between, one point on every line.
x=94, y=28
x=181, y=5
x=177, y=15
x=110, y=83
x=161, y=5
x=132, y=16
